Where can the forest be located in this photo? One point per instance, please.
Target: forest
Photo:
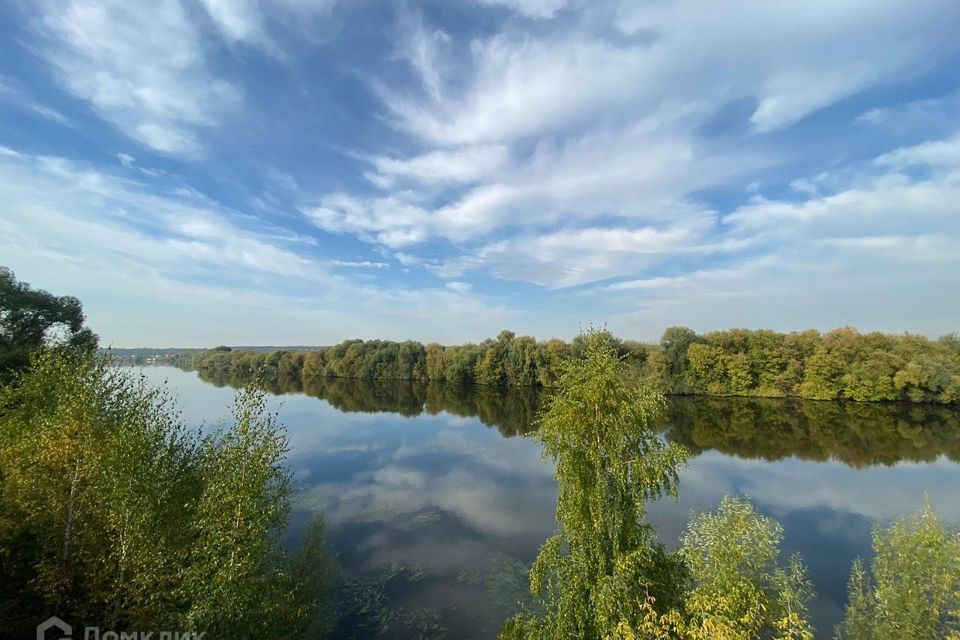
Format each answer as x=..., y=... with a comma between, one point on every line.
x=842, y=364
x=116, y=513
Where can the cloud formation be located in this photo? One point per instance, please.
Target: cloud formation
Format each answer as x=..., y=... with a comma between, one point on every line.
x=538, y=162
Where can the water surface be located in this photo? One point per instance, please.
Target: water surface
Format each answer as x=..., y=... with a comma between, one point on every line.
x=435, y=501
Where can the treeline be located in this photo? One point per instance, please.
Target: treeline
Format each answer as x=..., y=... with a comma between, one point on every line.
x=508, y=360
x=839, y=365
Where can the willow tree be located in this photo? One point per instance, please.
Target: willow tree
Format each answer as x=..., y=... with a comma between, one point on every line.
x=738, y=588
x=609, y=465
x=912, y=591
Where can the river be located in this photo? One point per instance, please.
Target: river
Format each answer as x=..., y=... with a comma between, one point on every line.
x=435, y=501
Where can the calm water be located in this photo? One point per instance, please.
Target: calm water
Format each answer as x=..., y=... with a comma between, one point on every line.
x=434, y=502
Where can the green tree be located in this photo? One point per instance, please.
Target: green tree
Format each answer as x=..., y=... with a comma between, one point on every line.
x=842, y=364
x=98, y=468
x=739, y=588
x=674, y=344
x=314, y=365
x=491, y=367
x=912, y=591
x=436, y=367
x=823, y=375
x=707, y=364
x=553, y=352
x=951, y=341
x=114, y=513
x=242, y=506
x=32, y=318
x=738, y=372
x=610, y=463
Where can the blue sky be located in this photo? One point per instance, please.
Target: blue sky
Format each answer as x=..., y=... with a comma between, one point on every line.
x=294, y=172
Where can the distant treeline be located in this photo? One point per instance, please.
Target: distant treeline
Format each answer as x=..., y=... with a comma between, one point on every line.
x=841, y=364
x=136, y=356
x=145, y=356
x=508, y=360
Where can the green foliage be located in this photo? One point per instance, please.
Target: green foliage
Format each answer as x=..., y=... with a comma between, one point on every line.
x=739, y=589
x=913, y=589
x=507, y=361
x=675, y=344
x=32, y=318
x=113, y=513
x=842, y=364
x=610, y=463
x=242, y=506
x=604, y=576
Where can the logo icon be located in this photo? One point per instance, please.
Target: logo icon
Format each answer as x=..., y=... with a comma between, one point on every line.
x=51, y=623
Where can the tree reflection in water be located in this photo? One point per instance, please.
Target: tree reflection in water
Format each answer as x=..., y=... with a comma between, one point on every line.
x=859, y=434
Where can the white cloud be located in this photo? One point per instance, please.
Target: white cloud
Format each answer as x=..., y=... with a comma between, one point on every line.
x=126, y=159
x=738, y=275
x=943, y=154
x=890, y=203
x=238, y=20
x=530, y=8
x=544, y=154
x=872, y=250
x=520, y=87
x=578, y=256
x=917, y=248
x=621, y=173
x=167, y=266
x=358, y=264
x=792, y=62
x=98, y=216
x=141, y=66
x=626, y=173
x=389, y=220
x=887, y=210
x=916, y=114
x=424, y=49
x=259, y=23
x=463, y=165
x=460, y=287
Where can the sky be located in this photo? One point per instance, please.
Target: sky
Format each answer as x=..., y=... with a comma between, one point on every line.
x=204, y=172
